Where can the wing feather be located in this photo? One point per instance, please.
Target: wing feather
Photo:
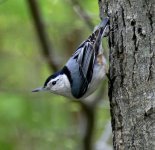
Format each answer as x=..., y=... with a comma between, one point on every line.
x=85, y=57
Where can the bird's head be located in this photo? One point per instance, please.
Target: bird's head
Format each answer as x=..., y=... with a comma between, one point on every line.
x=57, y=83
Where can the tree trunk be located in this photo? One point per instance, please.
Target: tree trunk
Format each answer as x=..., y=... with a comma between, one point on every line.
x=132, y=72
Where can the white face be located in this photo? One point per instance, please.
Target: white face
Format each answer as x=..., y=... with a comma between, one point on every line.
x=59, y=85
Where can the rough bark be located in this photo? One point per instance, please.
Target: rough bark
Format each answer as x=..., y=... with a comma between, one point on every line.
x=132, y=72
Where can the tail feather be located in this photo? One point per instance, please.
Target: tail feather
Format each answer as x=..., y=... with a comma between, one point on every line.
x=97, y=35
x=104, y=22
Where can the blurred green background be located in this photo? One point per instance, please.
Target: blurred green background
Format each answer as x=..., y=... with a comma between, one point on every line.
x=40, y=121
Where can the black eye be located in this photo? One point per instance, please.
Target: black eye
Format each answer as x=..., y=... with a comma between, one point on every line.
x=54, y=82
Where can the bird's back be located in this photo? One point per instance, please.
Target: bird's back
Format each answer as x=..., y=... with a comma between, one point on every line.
x=82, y=62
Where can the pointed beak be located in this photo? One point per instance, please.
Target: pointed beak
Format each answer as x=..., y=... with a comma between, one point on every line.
x=39, y=89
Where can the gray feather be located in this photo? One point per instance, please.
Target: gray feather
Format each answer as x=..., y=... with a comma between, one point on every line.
x=81, y=63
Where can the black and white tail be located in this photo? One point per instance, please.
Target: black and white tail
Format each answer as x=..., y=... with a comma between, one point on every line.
x=100, y=31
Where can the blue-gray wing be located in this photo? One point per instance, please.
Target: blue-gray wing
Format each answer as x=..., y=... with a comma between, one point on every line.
x=82, y=62
x=83, y=59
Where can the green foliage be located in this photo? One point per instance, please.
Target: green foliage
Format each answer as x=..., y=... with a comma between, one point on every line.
x=41, y=121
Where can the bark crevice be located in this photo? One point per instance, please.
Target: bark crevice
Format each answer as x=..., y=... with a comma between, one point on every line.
x=131, y=73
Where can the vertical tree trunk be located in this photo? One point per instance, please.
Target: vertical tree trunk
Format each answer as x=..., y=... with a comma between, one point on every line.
x=132, y=72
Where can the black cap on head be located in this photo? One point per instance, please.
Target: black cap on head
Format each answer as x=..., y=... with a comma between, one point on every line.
x=51, y=77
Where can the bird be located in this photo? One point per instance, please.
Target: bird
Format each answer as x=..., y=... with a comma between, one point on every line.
x=84, y=70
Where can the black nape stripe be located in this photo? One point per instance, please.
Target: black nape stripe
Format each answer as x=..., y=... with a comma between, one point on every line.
x=66, y=71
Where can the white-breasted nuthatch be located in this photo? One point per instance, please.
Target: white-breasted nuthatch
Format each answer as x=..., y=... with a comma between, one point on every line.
x=85, y=69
